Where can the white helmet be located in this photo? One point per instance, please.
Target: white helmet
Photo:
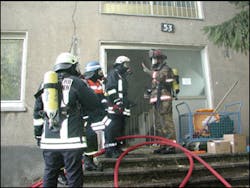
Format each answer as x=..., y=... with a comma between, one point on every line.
x=121, y=59
x=64, y=61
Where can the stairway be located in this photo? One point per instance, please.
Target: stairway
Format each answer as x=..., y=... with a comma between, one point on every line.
x=142, y=168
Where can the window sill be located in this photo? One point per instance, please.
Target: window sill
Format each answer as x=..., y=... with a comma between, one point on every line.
x=12, y=107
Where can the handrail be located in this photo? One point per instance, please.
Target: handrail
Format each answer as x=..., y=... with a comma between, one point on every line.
x=182, y=103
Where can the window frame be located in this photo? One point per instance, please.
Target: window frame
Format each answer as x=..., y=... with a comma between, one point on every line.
x=17, y=105
x=199, y=11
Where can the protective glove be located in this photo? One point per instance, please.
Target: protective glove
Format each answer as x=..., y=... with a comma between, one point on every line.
x=104, y=103
x=38, y=139
x=118, y=107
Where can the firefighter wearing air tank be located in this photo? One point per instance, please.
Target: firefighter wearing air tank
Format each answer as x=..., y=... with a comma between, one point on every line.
x=116, y=87
x=58, y=123
x=164, y=88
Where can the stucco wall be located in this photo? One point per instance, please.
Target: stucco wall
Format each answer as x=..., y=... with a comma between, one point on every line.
x=50, y=30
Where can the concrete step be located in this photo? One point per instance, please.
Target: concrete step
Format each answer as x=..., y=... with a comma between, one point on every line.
x=147, y=170
x=203, y=181
x=146, y=160
x=159, y=172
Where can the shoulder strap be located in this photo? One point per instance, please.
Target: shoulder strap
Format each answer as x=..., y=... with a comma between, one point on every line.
x=39, y=92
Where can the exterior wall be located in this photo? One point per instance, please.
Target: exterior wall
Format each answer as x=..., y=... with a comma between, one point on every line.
x=50, y=29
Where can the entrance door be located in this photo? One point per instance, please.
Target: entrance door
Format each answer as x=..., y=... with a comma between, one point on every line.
x=189, y=62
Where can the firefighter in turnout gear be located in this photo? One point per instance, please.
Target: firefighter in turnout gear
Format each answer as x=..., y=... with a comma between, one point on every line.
x=94, y=77
x=63, y=141
x=160, y=96
x=116, y=87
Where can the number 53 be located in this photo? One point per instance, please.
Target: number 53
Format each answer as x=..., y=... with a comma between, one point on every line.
x=167, y=27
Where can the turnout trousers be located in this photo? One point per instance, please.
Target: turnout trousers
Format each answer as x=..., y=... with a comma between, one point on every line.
x=115, y=129
x=56, y=159
x=164, y=125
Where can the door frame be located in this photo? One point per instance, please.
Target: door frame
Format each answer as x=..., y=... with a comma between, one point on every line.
x=107, y=45
x=196, y=102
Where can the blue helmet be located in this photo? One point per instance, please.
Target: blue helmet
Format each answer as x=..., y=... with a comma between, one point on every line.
x=92, y=66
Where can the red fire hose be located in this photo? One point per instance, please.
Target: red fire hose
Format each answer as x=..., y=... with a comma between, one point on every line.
x=161, y=141
x=148, y=143
x=166, y=141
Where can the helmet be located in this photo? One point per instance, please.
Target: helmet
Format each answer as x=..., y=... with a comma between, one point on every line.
x=122, y=64
x=91, y=70
x=92, y=66
x=121, y=59
x=156, y=54
x=65, y=61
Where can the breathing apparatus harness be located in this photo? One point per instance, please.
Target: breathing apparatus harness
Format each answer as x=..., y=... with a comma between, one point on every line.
x=55, y=109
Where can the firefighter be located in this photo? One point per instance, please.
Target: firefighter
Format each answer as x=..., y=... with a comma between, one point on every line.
x=116, y=88
x=94, y=77
x=160, y=96
x=63, y=141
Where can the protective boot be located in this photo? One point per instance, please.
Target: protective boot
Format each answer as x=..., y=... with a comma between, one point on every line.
x=112, y=152
x=157, y=151
x=165, y=150
x=168, y=150
x=89, y=164
x=62, y=178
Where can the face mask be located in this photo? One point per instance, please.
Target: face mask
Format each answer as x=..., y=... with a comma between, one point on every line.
x=127, y=67
x=100, y=74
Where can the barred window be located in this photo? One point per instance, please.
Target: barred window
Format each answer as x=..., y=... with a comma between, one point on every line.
x=13, y=60
x=182, y=9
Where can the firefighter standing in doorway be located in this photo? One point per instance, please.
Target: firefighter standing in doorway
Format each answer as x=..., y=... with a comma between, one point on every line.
x=116, y=88
x=161, y=95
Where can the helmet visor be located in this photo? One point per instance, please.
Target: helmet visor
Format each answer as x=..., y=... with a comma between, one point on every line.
x=78, y=68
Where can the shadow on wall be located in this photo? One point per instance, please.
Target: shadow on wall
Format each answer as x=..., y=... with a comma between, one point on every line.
x=20, y=165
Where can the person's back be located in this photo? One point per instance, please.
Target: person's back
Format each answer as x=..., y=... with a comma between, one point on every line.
x=65, y=145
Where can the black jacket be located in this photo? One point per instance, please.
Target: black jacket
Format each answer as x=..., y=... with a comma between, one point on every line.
x=78, y=98
x=116, y=87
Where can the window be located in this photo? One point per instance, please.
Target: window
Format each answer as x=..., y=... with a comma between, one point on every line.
x=182, y=9
x=13, y=67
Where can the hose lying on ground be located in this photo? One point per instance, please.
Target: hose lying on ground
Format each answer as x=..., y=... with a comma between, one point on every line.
x=166, y=141
x=161, y=141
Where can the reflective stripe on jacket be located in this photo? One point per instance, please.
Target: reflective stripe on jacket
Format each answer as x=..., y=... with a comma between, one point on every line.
x=71, y=134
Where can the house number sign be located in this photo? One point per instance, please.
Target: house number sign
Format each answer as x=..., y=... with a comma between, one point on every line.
x=166, y=27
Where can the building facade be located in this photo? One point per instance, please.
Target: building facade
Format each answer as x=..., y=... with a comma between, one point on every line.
x=33, y=34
